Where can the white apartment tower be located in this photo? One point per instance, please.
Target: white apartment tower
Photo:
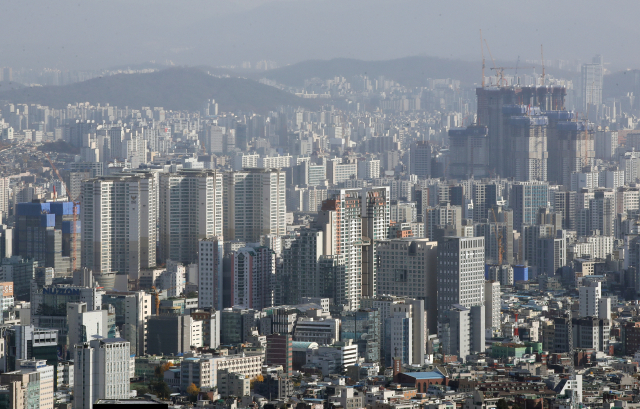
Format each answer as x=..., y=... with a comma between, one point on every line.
x=254, y=204
x=590, y=295
x=341, y=222
x=119, y=223
x=190, y=210
x=101, y=371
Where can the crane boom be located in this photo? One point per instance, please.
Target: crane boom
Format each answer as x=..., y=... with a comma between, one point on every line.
x=482, y=51
x=491, y=55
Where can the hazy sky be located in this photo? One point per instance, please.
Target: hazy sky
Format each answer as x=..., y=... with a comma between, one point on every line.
x=82, y=34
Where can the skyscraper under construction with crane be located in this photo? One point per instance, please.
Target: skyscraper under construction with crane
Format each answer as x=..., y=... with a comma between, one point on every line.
x=523, y=133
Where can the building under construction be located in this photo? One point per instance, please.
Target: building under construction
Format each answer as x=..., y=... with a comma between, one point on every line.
x=522, y=133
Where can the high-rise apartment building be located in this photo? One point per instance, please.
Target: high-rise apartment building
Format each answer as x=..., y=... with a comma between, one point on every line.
x=119, y=223
x=376, y=218
x=210, y=277
x=441, y=216
x=254, y=204
x=408, y=267
x=341, y=222
x=492, y=305
x=251, y=276
x=592, y=76
x=101, y=371
x=300, y=274
x=190, y=210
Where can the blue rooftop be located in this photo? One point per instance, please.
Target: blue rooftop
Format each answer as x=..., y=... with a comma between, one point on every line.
x=426, y=375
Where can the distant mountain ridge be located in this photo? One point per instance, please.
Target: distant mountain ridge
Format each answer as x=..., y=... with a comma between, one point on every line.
x=409, y=71
x=171, y=88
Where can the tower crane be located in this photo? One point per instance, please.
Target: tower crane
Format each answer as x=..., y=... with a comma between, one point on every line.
x=491, y=55
x=500, y=71
x=156, y=294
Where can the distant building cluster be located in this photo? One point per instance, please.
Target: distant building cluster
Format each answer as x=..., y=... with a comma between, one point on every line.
x=436, y=247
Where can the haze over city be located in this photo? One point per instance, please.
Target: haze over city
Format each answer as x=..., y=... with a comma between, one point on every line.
x=278, y=204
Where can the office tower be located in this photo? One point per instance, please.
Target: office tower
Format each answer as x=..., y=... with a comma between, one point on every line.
x=210, y=277
x=212, y=137
x=492, y=304
x=299, y=275
x=525, y=200
x=376, y=217
x=408, y=267
x=341, y=223
x=119, y=223
x=461, y=311
x=398, y=339
x=564, y=202
x=85, y=325
x=279, y=351
x=363, y=327
x=21, y=272
x=241, y=138
x=74, y=130
x=170, y=334
x=504, y=274
x=27, y=342
x=606, y=143
x=603, y=212
x=251, y=271
x=420, y=159
x=439, y=217
x=133, y=309
x=101, y=371
x=590, y=295
x=497, y=105
x=254, y=204
x=460, y=272
x=469, y=151
x=544, y=248
x=44, y=232
x=190, y=209
x=390, y=305
x=591, y=86
x=46, y=379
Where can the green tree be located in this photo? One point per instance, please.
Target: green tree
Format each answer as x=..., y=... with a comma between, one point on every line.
x=502, y=404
